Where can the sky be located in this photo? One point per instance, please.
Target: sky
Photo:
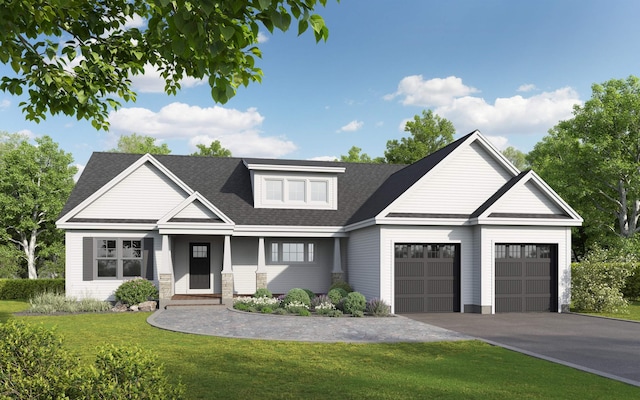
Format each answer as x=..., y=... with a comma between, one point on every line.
x=512, y=69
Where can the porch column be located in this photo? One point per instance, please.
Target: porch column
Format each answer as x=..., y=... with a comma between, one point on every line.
x=165, y=276
x=261, y=271
x=227, y=273
x=337, y=274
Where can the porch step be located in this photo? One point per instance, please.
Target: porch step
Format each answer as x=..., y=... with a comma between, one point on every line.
x=214, y=302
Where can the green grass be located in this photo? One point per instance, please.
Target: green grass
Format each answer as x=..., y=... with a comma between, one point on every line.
x=219, y=368
x=633, y=315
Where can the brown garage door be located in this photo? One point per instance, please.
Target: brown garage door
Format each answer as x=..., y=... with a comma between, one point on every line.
x=427, y=278
x=526, y=277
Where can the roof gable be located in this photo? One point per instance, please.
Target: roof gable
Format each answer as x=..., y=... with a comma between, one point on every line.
x=195, y=209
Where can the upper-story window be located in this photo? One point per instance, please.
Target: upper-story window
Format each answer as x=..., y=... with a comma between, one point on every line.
x=295, y=186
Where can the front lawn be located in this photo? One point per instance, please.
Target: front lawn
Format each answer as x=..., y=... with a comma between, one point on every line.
x=633, y=315
x=222, y=368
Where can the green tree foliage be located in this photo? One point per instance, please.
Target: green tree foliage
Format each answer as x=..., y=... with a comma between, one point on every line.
x=593, y=159
x=140, y=144
x=10, y=261
x=355, y=156
x=35, y=182
x=429, y=133
x=77, y=57
x=517, y=158
x=215, y=149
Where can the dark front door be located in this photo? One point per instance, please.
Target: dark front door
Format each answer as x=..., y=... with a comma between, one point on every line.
x=427, y=278
x=199, y=266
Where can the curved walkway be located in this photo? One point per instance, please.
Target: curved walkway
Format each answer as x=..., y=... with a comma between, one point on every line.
x=224, y=322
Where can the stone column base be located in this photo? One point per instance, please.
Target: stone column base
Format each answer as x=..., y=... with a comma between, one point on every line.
x=261, y=280
x=227, y=288
x=164, y=289
x=337, y=277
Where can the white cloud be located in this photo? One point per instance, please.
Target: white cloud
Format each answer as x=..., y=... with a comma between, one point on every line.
x=352, y=126
x=4, y=104
x=134, y=22
x=403, y=123
x=152, y=82
x=527, y=87
x=262, y=37
x=324, y=158
x=433, y=92
x=511, y=115
x=500, y=142
x=27, y=133
x=236, y=130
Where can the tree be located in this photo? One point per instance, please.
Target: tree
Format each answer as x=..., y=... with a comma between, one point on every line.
x=35, y=182
x=517, y=158
x=429, y=133
x=140, y=144
x=355, y=156
x=215, y=149
x=598, y=154
x=77, y=57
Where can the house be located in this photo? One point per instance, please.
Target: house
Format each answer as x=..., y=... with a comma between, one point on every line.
x=461, y=230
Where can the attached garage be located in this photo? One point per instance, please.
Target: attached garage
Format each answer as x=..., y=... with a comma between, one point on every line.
x=427, y=278
x=526, y=277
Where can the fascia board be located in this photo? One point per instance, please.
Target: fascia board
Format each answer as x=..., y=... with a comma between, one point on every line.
x=289, y=231
x=105, y=226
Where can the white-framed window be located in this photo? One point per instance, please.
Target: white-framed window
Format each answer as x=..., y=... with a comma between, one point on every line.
x=319, y=192
x=292, y=252
x=297, y=190
x=274, y=189
x=118, y=258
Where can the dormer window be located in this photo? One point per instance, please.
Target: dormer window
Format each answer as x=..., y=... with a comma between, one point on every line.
x=295, y=186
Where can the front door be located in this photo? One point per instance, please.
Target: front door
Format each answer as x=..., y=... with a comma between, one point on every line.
x=199, y=266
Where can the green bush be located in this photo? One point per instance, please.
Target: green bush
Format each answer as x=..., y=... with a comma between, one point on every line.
x=311, y=294
x=267, y=310
x=354, y=303
x=631, y=289
x=280, y=311
x=263, y=292
x=136, y=291
x=357, y=313
x=342, y=285
x=22, y=289
x=378, y=308
x=48, y=303
x=297, y=295
x=303, y=312
x=334, y=313
x=336, y=295
x=596, y=284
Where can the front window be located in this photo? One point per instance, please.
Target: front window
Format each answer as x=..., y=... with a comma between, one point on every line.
x=319, y=191
x=274, y=189
x=297, y=190
x=289, y=252
x=118, y=258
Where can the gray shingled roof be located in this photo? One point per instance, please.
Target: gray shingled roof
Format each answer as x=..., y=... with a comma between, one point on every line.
x=363, y=190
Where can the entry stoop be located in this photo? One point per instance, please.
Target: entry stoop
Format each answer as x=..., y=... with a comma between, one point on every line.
x=185, y=300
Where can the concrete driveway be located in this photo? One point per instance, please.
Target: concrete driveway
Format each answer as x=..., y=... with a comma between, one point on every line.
x=607, y=347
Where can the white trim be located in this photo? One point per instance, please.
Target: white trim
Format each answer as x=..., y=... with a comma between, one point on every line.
x=294, y=168
x=114, y=226
x=289, y=231
x=359, y=225
x=119, y=178
x=189, y=200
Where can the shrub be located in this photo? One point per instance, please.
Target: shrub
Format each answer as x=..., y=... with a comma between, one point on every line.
x=310, y=293
x=280, y=311
x=324, y=308
x=323, y=298
x=136, y=291
x=378, y=308
x=295, y=307
x=354, y=303
x=36, y=366
x=334, y=313
x=631, y=289
x=47, y=303
x=267, y=310
x=342, y=285
x=357, y=313
x=297, y=295
x=303, y=312
x=336, y=295
x=255, y=303
x=22, y=289
x=263, y=292
x=596, y=284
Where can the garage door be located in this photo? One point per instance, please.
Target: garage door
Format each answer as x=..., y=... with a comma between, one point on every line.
x=427, y=278
x=526, y=277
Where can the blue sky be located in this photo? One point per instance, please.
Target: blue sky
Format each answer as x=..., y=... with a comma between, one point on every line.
x=511, y=69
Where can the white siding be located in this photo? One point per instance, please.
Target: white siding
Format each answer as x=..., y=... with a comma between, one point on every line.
x=314, y=276
x=181, y=262
x=491, y=235
x=527, y=198
x=101, y=289
x=389, y=236
x=458, y=185
x=363, y=259
x=195, y=210
x=145, y=194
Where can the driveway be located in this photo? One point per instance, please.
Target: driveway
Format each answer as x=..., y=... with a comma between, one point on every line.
x=606, y=347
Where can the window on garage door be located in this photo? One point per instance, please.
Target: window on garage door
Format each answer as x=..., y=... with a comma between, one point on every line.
x=526, y=277
x=427, y=277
